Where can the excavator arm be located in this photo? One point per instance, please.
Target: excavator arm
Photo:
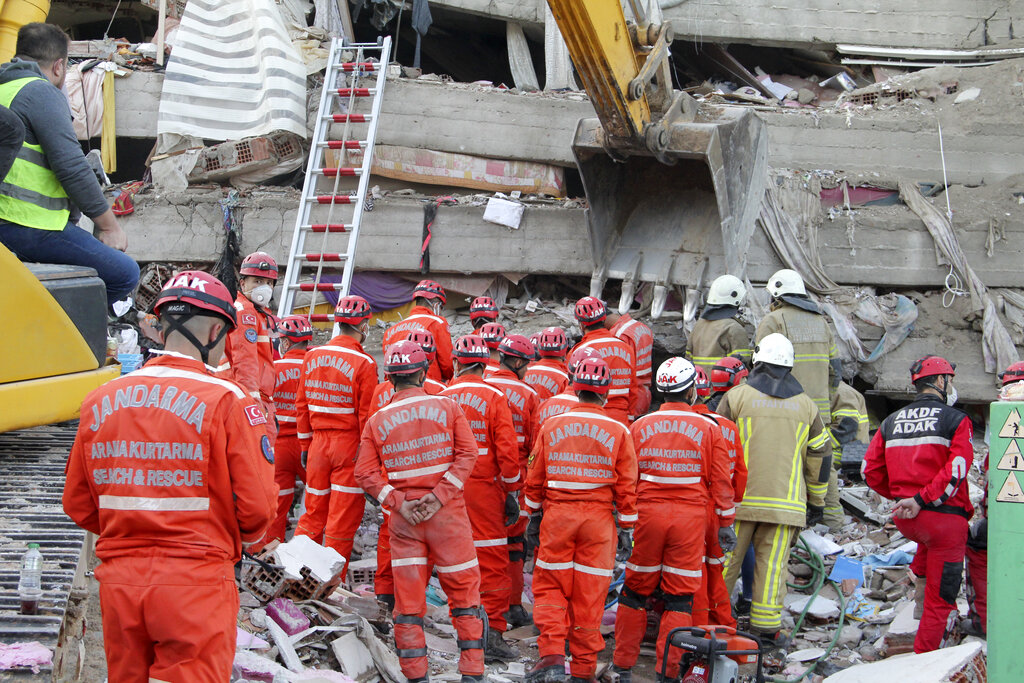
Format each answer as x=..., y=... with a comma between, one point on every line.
x=672, y=184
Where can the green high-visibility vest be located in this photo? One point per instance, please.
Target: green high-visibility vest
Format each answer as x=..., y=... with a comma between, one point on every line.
x=30, y=194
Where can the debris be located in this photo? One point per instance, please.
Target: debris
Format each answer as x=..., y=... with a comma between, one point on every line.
x=805, y=655
x=963, y=663
x=286, y=615
x=968, y=95
x=850, y=636
x=18, y=655
x=820, y=544
x=284, y=647
x=504, y=212
x=354, y=658
x=249, y=641
x=903, y=629
x=821, y=608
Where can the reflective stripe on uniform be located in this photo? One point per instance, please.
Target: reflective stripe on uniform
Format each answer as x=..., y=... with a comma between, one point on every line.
x=689, y=573
x=451, y=569
x=331, y=410
x=643, y=568
x=304, y=435
x=384, y=493
x=725, y=513
x=421, y=472
x=452, y=479
x=317, y=492
x=618, y=392
x=576, y=485
x=511, y=480
x=671, y=480
x=407, y=561
x=490, y=542
x=286, y=418
x=174, y=373
x=553, y=566
x=919, y=441
x=533, y=505
x=347, y=489
x=285, y=492
x=145, y=504
x=628, y=518
x=594, y=571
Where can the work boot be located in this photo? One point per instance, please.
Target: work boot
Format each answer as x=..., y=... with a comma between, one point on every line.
x=742, y=606
x=918, y=597
x=773, y=648
x=550, y=669
x=620, y=675
x=517, y=616
x=497, y=650
x=388, y=599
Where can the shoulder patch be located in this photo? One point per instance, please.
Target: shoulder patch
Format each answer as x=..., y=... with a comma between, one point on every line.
x=250, y=335
x=268, y=451
x=255, y=415
x=248, y=319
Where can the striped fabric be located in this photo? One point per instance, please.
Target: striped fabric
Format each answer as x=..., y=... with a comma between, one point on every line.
x=233, y=73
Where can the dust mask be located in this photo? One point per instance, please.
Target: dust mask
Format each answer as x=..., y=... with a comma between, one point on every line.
x=261, y=294
x=951, y=395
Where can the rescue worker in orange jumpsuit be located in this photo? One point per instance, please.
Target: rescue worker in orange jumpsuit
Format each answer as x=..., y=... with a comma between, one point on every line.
x=384, y=578
x=296, y=333
x=683, y=464
x=492, y=334
x=591, y=314
x=249, y=355
x=515, y=352
x=548, y=375
x=415, y=457
x=428, y=301
x=491, y=491
x=334, y=402
x=483, y=310
x=711, y=601
x=641, y=338
x=582, y=470
x=172, y=468
x=567, y=400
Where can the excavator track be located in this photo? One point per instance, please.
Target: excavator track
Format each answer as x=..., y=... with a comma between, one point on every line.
x=32, y=462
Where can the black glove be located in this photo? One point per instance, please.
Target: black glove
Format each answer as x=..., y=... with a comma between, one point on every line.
x=815, y=514
x=726, y=539
x=371, y=500
x=533, y=530
x=625, y=547
x=511, y=509
x=302, y=458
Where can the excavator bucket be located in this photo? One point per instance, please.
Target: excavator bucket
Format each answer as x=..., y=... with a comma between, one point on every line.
x=660, y=221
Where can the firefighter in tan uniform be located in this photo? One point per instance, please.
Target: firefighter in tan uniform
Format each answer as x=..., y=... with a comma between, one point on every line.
x=849, y=424
x=799, y=320
x=787, y=452
x=718, y=333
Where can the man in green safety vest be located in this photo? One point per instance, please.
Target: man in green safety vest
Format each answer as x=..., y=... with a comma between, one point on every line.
x=50, y=182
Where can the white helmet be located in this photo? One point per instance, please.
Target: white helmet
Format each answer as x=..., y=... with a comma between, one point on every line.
x=676, y=375
x=785, y=281
x=774, y=349
x=727, y=290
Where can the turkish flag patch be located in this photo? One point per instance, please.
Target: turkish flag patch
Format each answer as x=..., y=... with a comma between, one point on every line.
x=248, y=319
x=255, y=415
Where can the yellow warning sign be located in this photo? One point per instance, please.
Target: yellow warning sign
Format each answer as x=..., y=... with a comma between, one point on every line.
x=1012, y=458
x=1011, y=491
x=1011, y=428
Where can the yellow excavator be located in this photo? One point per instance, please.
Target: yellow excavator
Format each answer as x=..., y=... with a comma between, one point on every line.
x=668, y=180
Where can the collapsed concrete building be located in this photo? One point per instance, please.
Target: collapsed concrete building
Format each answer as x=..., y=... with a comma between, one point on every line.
x=942, y=117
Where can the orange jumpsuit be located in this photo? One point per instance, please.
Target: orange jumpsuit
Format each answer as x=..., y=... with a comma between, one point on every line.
x=415, y=445
x=683, y=461
x=556, y=405
x=422, y=318
x=522, y=399
x=249, y=357
x=172, y=469
x=582, y=469
x=287, y=451
x=547, y=377
x=384, y=578
x=642, y=339
x=333, y=402
x=496, y=473
x=618, y=355
x=711, y=604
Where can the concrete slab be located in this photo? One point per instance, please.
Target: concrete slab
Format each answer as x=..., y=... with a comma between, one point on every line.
x=812, y=23
x=960, y=663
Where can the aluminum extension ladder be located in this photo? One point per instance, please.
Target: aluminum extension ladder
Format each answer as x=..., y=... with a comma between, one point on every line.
x=331, y=212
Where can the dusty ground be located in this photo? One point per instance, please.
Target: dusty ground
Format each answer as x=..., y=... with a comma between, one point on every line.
x=95, y=670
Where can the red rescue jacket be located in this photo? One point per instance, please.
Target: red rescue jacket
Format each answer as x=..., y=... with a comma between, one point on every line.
x=734, y=446
x=523, y=401
x=619, y=357
x=490, y=418
x=421, y=317
x=548, y=377
x=173, y=458
x=556, y=405
x=249, y=354
x=336, y=388
x=288, y=370
x=642, y=338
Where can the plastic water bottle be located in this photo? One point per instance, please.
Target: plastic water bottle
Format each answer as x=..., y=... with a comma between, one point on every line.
x=30, y=585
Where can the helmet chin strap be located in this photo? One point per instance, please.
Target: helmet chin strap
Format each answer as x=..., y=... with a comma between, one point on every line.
x=175, y=323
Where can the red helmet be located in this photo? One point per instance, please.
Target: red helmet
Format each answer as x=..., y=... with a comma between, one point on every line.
x=727, y=373
x=1014, y=373
x=426, y=341
x=930, y=366
x=701, y=382
x=351, y=310
x=535, y=341
x=517, y=346
x=483, y=307
x=296, y=328
x=198, y=290
x=552, y=342
x=259, y=264
x=592, y=374
x=590, y=310
x=405, y=358
x=492, y=334
x=428, y=289
x=580, y=354
x=471, y=349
